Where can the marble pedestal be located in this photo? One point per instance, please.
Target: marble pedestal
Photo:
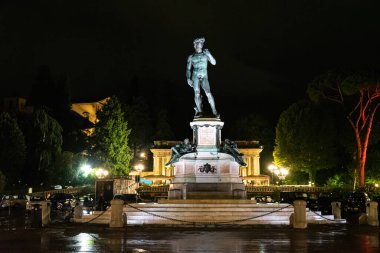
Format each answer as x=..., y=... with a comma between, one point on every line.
x=207, y=173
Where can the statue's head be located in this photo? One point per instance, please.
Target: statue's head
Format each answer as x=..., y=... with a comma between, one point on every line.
x=198, y=44
x=186, y=141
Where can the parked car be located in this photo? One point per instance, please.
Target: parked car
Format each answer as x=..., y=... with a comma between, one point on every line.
x=34, y=199
x=290, y=197
x=17, y=201
x=357, y=202
x=324, y=203
x=128, y=198
x=88, y=202
x=263, y=199
x=62, y=201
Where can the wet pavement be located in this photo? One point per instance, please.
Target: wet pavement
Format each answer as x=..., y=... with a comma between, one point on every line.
x=17, y=236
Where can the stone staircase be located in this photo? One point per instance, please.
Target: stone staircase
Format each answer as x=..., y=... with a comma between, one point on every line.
x=215, y=212
x=206, y=212
x=96, y=217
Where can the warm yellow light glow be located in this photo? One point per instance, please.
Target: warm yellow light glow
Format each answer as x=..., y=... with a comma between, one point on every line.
x=139, y=167
x=284, y=171
x=101, y=173
x=272, y=167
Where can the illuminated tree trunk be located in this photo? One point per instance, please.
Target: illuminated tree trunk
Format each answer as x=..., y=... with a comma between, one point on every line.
x=362, y=123
x=361, y=87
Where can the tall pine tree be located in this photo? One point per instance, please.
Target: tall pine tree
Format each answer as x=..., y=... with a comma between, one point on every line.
x=109, y=141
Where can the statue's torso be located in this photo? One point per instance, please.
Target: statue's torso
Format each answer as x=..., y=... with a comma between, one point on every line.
x=199, y=63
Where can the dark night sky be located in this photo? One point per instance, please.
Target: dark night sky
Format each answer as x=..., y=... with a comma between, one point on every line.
x=266, y=51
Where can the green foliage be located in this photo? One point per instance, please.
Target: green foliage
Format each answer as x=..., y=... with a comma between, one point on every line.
x=335, y=181
x=110, y=139
x=49, y=138
x=12, y=147
x=78, y=161
x=358, y=94
x=163, y=129
x=137, y=115
x=255, y=127
x=306, y=139
x=63, y=171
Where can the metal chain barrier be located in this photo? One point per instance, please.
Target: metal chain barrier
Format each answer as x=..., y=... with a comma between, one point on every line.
x=95, y=217
x=320, y=215
x=208, y=223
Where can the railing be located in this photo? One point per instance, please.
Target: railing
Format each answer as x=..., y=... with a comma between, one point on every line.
x=159, y=188
x=285, y=188
x=250, y=188
x=67, y=190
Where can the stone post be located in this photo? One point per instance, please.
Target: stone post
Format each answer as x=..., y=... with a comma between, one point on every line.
x=45, y=208
x=299, y=218
x=116, y=213
x=336, y=211
x=373, y=219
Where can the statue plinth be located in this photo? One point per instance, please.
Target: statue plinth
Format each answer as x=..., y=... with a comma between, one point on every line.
x=207, y=173
x=207, y=134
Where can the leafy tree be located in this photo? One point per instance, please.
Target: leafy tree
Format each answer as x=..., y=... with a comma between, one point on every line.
x=359, y=94
x=255, y=127
x=110, y=139
x=12, y=147
x=48, y=137
x=306, y=139
x=137, y=115
x=63, y=171
x=163, y=129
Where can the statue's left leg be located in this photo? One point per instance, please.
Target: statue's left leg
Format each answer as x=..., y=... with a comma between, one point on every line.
x=206, y=88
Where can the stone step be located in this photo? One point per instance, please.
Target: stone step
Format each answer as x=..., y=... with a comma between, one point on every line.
x=208, y=194
x=208, y=210
x=206, y=201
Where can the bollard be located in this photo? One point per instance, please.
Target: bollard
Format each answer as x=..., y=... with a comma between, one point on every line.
x=36, y=216
x=78, y=211
x=45, y=207
x=116, y=213
x=373, y=219
x=336, y=211
x=299, y=217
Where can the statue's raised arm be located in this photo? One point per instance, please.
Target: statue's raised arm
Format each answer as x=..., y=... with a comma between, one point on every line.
x=197, y=76
x=210, y=58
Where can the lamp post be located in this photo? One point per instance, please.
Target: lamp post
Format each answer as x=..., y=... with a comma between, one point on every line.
x=139, y=168
x=272, y=168
x=281, y=173
x=101, y=173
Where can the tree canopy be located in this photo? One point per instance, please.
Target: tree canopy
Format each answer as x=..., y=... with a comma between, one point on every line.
x=306, y=139
x=255, y=127
x=358, y=92
x=49, y=138
x=110, y=139
x=139, y=120
x=12, y=147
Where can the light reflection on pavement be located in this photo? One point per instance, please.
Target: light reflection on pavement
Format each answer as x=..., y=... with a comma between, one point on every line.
x=16, y=236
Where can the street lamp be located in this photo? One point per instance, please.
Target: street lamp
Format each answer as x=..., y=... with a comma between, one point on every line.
x=86, y=169
x=281, y=173
x=272, y=169
x=139, y=167
x=101, y=173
